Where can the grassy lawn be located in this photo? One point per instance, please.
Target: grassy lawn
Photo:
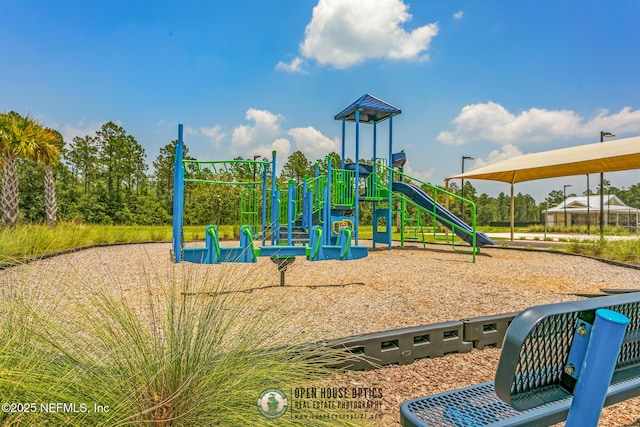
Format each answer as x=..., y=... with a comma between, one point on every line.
x=28, y=241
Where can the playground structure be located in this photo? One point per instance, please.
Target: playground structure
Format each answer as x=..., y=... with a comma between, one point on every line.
x=319, y=217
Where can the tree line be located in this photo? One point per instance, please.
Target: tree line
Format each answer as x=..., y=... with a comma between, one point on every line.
x=104, y=178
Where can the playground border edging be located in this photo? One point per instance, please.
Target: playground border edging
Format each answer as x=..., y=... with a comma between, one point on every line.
x=406, y=345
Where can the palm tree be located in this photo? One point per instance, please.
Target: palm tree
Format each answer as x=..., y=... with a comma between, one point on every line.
x=50, y=144
x=18, y=139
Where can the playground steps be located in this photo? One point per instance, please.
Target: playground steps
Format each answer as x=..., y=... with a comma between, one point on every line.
x=298, y=235
x=414, y=234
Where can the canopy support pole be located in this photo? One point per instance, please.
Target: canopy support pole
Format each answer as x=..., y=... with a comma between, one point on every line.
x=512, y=211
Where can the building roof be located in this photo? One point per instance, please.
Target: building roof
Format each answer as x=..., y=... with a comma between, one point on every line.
x=609, y=156
x=579, y=204
x=371, y=109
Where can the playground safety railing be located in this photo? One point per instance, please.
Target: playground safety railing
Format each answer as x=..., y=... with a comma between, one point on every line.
x=250, y=203
x=377, y=184
x=315, y=243
x=308, y=196
x=343, y=188
x=212, y=231
x=316, y=186
x=246, y=231
x=414, y=227
x=344, y=241
x=248, y=175
x=437, y=194
x=282, y=198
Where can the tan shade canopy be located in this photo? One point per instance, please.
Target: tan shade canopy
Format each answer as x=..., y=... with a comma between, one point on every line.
x=610, y=156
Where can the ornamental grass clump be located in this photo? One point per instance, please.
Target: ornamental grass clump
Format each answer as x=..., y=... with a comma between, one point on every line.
x=168, y=348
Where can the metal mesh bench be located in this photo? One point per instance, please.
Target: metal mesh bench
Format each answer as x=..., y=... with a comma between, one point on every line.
x=541, y=364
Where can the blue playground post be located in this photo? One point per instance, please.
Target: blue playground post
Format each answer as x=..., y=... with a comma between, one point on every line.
x=291, y=210
x=597, y=369
x=326, y=210
x=342, y=153
x=275, y=203
x=264, y=202
x=357, y=190
x=307, y=205
x=178, y=198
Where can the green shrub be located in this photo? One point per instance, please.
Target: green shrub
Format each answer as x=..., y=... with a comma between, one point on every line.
x=193, y=353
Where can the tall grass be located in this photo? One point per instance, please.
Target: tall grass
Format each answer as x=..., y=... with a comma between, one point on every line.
x=618, y=250
x=192, y=352
x=35, y=240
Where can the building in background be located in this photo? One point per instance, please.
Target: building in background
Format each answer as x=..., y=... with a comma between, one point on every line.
x=583, y=210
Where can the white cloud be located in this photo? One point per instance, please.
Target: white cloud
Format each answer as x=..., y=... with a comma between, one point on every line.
x=79, y=130
x=312, y=142
x=215, y=134
x=343, y=33
x=492, y=122
x=282, y=147
x=188, y=130
x=266, y=127
x=266, y=135
x=458, y=15
x=426, y=176
x=295, y=66
x=625, y=121
x=507, y=151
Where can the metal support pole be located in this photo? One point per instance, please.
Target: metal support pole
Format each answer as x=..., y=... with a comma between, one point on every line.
x=357, y=180
x=512, y=213
x=390, y=183
x=546, y=220
x=588, y=208
x=602, y=137
x=597, y=369
x=178, y=198
x=342, y=152
x=601, y=204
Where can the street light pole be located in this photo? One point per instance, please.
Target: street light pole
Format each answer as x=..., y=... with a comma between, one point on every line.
x=603, y=135
x=462, y=188
x=546, y=220
x=564, y=190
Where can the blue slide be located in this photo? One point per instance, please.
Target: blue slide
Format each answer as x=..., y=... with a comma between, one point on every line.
x=423, y=199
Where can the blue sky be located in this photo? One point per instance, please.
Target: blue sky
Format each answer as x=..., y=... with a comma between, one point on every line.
x=490, y=79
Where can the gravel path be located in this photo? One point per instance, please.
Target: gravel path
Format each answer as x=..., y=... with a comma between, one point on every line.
x=387, y=290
